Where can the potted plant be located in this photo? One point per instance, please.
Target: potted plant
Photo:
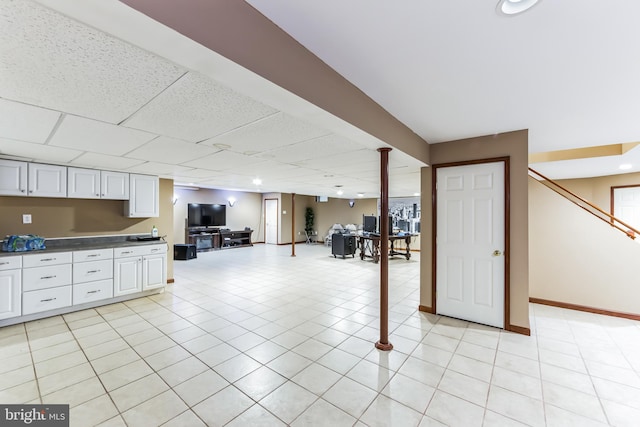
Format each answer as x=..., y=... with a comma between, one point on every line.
x=308, y=221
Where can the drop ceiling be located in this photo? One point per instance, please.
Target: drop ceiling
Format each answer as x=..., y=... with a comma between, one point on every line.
x=76, y=95
x=92, y=84
x=565, y=70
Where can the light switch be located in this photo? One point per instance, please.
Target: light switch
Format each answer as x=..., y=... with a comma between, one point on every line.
x=26, y=218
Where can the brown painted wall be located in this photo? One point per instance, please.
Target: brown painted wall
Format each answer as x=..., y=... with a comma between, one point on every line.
x=54, y=217
x=515, y=146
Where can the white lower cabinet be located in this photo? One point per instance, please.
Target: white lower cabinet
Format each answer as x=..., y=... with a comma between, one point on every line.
x=10, y=293
x=154, y=271
x=139, y=268
x=39, y=282
x=127, y=276
x=92, y=291
x=92, y=275
x=46, y=299
x=46, y=282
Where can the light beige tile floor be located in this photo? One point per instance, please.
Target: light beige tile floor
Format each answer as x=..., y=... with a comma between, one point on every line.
x=253, y=336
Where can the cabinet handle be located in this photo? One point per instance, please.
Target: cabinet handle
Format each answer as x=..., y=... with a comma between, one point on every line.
x=22, y=190
x=4, y=263
x=47, y=259
x=93, y=271
x=92, y=255
x=126, y=252
x=155, y=250
x=93, y=292
x=97, y=195
x=48, y=299
x=47, y=277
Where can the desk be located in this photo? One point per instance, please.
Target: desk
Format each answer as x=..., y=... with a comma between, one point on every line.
x=370, y=246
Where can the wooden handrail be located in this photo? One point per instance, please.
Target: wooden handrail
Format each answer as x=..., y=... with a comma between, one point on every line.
x=612, y=220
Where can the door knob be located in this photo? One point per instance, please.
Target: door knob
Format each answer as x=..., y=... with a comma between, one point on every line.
x=497, y=253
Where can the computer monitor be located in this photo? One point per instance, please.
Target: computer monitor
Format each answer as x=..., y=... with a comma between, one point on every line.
x=369, y=223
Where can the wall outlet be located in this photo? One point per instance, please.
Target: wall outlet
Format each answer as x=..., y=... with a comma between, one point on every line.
x=26, y=218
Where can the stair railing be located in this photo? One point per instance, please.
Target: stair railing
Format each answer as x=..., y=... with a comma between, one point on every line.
x=586, y=205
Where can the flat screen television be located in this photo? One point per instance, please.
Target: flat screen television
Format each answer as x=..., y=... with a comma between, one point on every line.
x=206, y=215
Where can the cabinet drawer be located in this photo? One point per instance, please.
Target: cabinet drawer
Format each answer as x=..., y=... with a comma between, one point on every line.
x=133, y=251
x=92, y=291
x=10, y=262
x=92, y=255
x=40, y=260
x=46, y=299
x=46, y=277
x=91, y=271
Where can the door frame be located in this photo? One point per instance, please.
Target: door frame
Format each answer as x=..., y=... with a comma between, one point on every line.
x=277, y=219
x=507, y=228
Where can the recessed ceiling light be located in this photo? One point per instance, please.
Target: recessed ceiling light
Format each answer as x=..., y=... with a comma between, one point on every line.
x=257, y=181
x=360, y=194
x=340, y=192
x=416, y=194
x=625, y=166
x=514, y=7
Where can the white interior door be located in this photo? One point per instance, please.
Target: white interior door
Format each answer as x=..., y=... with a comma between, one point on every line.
x=271, y=221
x=470, y=242
x=626, y=205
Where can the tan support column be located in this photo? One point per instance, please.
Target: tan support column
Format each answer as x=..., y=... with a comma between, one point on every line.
x=384, y=343
x=293, y=224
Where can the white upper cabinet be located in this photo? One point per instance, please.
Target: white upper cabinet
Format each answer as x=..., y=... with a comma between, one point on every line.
x=47, y=180
x=13, y=178
x=96, y=184
x=144, y=197
x=114, y=185
x=83, y=183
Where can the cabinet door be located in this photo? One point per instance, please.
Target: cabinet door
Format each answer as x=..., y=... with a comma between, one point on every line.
x=47, y=180
x=115, y=185
x=13, y=178
x=83, y=183
x=127, y=276
x=143, y=196
x=154, y=271
x=10, y=293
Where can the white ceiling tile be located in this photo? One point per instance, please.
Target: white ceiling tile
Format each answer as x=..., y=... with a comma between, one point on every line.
x=156, y=168
x=55, y=62
x=170, y=150
x=318, y=147
x=196, y=108
x=39, y=152
x=223, y=161
x=201, y=173
x=266, y=134
x=26, y=122
x=104, y=161
x=99, y=137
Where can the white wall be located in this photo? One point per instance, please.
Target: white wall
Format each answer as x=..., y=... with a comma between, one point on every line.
x=578, y=259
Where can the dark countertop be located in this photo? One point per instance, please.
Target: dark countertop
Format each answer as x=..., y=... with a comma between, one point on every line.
x=88, y=243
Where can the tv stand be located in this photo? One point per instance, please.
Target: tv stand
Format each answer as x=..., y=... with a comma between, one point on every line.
x=209, y=239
